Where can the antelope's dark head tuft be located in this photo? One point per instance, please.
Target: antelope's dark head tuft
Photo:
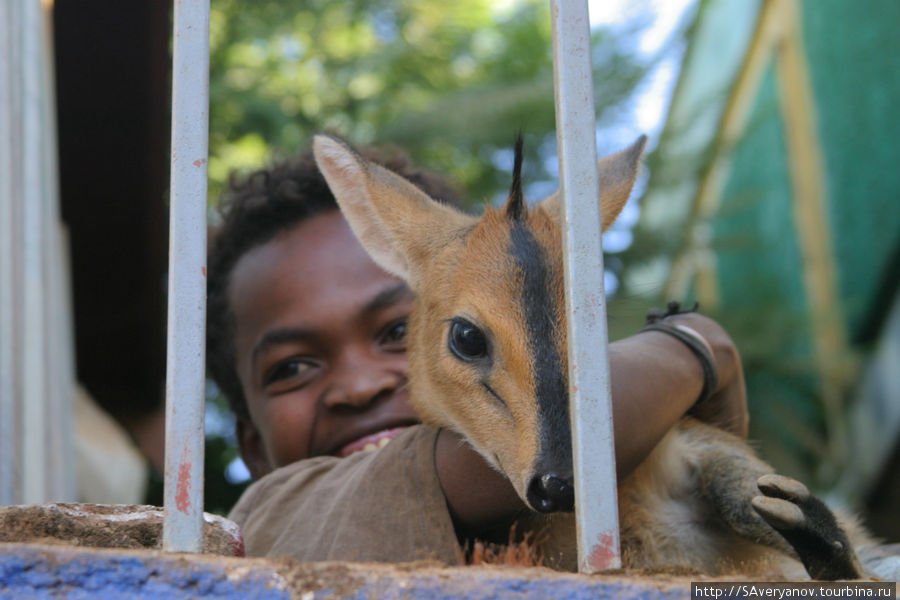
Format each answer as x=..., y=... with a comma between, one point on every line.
x=515, y=203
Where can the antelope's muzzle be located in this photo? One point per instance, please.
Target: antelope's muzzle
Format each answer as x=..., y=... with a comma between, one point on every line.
x=550, y=493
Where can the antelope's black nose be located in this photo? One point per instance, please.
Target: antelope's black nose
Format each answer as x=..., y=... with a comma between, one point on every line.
x=550, y=493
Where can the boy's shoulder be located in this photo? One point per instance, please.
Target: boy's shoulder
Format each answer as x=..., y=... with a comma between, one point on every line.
x=329, y=508
x=297, y=476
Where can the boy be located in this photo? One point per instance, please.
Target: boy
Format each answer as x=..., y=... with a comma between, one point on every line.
x=307, y=341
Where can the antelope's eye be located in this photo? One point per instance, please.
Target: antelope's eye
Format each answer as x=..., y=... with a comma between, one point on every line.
x=466, y=340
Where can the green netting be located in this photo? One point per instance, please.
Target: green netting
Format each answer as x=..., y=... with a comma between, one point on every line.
x=854, y=55
x=759, y=263
x=759, y=268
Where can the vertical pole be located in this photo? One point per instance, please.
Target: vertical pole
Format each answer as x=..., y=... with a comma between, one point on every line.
x=183, y=492
x=9, y=272
x=596, y=509
x=36, y=369
x=34, y=381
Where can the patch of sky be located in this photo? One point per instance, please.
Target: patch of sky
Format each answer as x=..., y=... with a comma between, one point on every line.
x=502, y=10
x=236, y=472
x=616, y=240
x=384, y=24
x=610, y=282
x=655, y=24
x=290, y=48
x=259, y=48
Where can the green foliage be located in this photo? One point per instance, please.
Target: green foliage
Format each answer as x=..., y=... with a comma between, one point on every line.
x=451, y=82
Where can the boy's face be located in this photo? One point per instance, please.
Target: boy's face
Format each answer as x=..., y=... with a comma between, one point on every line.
x=320, y=346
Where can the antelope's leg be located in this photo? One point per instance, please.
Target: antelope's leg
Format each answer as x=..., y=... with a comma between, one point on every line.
x=770, y=509
x=809, y=526
x=727, y=475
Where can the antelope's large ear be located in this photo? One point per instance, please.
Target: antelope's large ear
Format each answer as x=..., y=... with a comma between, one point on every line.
x=398, y=224
x=615, y=176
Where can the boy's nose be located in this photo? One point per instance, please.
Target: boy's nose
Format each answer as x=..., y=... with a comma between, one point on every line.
x=359, y=382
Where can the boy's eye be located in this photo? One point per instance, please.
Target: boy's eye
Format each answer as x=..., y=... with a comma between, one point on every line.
x=395, y=335
x=288, y=369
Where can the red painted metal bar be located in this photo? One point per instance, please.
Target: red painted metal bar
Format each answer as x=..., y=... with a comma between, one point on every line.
x=183, y=493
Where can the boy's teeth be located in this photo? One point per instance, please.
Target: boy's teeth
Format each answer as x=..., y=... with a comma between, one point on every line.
x=370, y=442
x=376, y=445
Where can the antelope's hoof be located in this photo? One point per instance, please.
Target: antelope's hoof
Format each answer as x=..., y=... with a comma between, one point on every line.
x=779, y=486
x=808, y=526
x=780, y=514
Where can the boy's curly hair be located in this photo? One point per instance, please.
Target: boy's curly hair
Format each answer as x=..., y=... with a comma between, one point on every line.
x=255, y=210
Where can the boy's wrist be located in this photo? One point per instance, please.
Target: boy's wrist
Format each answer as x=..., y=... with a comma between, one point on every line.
x=698, y=345
x=725, y=405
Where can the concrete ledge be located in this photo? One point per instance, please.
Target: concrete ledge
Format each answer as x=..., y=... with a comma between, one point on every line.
x=31, y=571
x=107, y=526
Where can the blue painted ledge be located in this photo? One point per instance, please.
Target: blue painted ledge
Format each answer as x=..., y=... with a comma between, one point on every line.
x=31, y=571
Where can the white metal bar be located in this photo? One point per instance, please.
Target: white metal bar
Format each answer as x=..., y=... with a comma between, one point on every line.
x=35, y=386
x=9, y=287
x=36, y=374
x=183, y=492
x=596, y=509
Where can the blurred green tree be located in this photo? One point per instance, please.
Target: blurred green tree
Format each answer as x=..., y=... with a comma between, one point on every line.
x=451, y=82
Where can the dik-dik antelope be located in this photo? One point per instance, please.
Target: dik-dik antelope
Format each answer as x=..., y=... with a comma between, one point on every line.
x=487, y=358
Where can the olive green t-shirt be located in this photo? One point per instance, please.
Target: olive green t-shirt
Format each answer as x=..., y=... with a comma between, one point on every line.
x=385, y=506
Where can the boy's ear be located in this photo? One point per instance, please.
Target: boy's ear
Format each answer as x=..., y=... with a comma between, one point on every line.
x=396, y=222
x=250, y=445
x=615, y=177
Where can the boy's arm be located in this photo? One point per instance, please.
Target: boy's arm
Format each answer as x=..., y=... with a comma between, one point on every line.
x=655, y=378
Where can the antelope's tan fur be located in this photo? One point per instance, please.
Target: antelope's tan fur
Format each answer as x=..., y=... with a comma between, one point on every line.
x=688, y=503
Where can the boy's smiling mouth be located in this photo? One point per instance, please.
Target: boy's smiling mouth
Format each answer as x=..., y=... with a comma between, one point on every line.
x=373, y=441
